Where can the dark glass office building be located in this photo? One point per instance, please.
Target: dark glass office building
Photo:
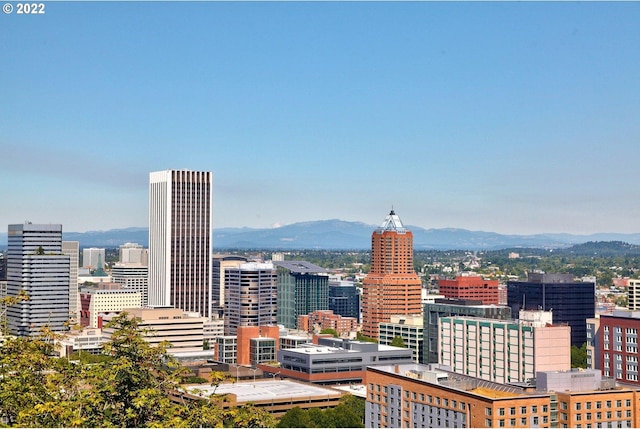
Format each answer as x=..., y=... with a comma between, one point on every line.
x=344, y=300
x=570, y=302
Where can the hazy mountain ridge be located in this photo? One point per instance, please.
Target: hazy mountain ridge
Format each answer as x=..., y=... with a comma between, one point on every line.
x=338, y=234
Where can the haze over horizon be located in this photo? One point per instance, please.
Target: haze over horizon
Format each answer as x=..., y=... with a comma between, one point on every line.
x=507, y=117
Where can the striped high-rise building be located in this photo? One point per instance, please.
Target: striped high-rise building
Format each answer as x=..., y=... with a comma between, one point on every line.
x=392, y=287
x=180, y=240
x=36, y=265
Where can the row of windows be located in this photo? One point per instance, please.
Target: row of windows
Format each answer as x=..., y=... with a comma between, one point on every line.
x=598, y=404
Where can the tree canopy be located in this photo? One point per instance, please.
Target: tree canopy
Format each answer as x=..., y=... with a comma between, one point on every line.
x=132, y=388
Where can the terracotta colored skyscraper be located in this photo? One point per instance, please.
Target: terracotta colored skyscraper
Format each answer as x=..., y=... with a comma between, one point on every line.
x=392, y=286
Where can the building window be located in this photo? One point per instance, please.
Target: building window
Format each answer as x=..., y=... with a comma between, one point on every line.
x=534, y=409
x=512, y=411
x=578, y=406
x=535, y=420
x=523, y=410
x=501, y=411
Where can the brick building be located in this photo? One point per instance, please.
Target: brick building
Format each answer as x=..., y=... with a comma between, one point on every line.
x=412, y=395
x=470, y=287
x=392, y=285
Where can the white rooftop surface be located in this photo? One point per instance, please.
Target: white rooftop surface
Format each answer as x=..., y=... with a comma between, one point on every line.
x=359, y=390
x=262, y=390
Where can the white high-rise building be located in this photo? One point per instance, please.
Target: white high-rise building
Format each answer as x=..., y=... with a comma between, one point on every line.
x=133, y=277
x=133, y=253
x=72, y=250
x=36, y=264
x=93, y=258
x=180, y=240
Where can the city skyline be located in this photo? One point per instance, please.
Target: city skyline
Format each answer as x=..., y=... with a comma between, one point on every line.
x=511, y=117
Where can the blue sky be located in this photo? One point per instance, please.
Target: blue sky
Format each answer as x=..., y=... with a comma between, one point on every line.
x=513, y=117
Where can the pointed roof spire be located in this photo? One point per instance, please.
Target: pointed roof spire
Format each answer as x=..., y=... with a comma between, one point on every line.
x=392, y=223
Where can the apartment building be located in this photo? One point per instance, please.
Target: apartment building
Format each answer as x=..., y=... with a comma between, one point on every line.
x=504, y=351
x=454, y=307
x=417, y=396
x=618, y=345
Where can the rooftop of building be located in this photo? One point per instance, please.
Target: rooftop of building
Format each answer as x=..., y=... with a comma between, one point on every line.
x=300, y=267
x=391, y=223
x=339, y=345
x=441, y=375
x=262, y=390
x=625, y=314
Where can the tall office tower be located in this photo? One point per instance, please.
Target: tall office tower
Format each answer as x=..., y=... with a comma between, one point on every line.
x=133, y=277
x=470, y=287
x=392, y=287
x=302, y=289
x=93, y=258
x=633, y=294
x=572, y=302
x=72, y=250
x=180, y=240
x=37, y=265
x=221, y=263
x=344, y=299
x=133, y=253
x=251, y=292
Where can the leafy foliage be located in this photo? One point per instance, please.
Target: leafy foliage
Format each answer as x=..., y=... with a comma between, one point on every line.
x=132, y=388
x=579, y=356
x=330, y=331
x=348, y=414
x=398, y=342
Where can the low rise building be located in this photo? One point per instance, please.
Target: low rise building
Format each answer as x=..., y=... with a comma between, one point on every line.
x=88, y=340
x=470, y=287
x=105, y=299
x=184, y=331
x=275, y=396
x=413, y=395
x=319, y=320
x=334, y=361
x=410, y=329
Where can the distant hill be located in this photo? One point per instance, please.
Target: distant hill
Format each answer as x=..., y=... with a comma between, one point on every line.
x=338, y=234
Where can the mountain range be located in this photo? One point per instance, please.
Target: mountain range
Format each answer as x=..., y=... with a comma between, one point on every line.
x=337, y=234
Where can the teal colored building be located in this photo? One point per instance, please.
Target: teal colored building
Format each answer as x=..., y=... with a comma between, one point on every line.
x=302, y=288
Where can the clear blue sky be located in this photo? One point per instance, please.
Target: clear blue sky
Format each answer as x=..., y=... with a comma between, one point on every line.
x=513, y=117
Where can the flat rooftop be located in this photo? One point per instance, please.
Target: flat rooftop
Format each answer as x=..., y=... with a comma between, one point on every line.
x=262, y=390
x=300, y=267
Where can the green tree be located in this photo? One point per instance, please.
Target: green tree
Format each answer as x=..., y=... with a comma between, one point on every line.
x=398, y=342
x=295, y=418
x=330, y=331
x=361, y=337
x=133, y=389
x=248, y=416
x=579, y=356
